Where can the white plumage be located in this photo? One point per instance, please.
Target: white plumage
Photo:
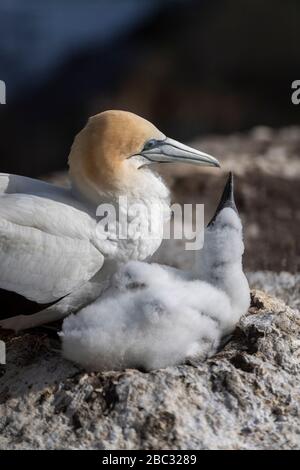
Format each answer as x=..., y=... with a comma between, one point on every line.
x=153, y=316
x=50, y=248
x=35, y=232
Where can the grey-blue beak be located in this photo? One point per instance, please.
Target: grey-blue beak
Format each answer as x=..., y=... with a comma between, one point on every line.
x=171, y=151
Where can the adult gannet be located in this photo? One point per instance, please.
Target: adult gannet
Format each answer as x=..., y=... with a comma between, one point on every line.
x=154, y=316
x=50, y=251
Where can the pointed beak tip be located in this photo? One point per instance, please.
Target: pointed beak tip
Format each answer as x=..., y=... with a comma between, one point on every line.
x=230, y=181
x=227, y=198
x=212, y=161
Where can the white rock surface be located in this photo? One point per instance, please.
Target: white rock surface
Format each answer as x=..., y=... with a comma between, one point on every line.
x=284, y=285
x=245, y=397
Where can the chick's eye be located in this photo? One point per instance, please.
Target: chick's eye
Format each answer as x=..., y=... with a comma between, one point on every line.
x=150, y=144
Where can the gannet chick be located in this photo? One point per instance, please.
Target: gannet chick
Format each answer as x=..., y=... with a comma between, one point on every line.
x=50, y=249
x=155, y=316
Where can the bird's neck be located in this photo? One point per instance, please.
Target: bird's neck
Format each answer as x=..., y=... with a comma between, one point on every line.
x=140, y=211
x=234, y=283
x=143, y=185
x=229, y=278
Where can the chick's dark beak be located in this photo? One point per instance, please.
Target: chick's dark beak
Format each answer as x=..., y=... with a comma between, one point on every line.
x=227, y=198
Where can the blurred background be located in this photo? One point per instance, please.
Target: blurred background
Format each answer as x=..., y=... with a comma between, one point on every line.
x=214, y=73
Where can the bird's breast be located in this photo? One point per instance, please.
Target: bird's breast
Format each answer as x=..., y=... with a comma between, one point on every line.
x=135, y=232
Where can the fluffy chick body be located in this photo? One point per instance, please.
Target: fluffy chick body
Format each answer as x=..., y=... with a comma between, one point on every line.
x=154, y=316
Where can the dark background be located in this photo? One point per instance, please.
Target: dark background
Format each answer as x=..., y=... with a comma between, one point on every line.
x=191, y=67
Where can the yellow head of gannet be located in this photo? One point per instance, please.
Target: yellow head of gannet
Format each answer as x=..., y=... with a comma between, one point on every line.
x=111, y=152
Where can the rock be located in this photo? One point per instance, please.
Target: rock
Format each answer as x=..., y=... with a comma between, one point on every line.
x=284, y=285
x=245, y=397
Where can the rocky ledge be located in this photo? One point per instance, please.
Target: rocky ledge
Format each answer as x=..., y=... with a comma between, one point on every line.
x=245, y=397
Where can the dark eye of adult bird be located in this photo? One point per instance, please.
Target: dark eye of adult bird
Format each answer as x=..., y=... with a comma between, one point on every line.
x=150, y=144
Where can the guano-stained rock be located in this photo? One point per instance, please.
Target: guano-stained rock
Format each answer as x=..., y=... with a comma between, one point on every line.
x=245, y=397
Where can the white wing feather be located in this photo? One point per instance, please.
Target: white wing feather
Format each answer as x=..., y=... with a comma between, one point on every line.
x=47, y=247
